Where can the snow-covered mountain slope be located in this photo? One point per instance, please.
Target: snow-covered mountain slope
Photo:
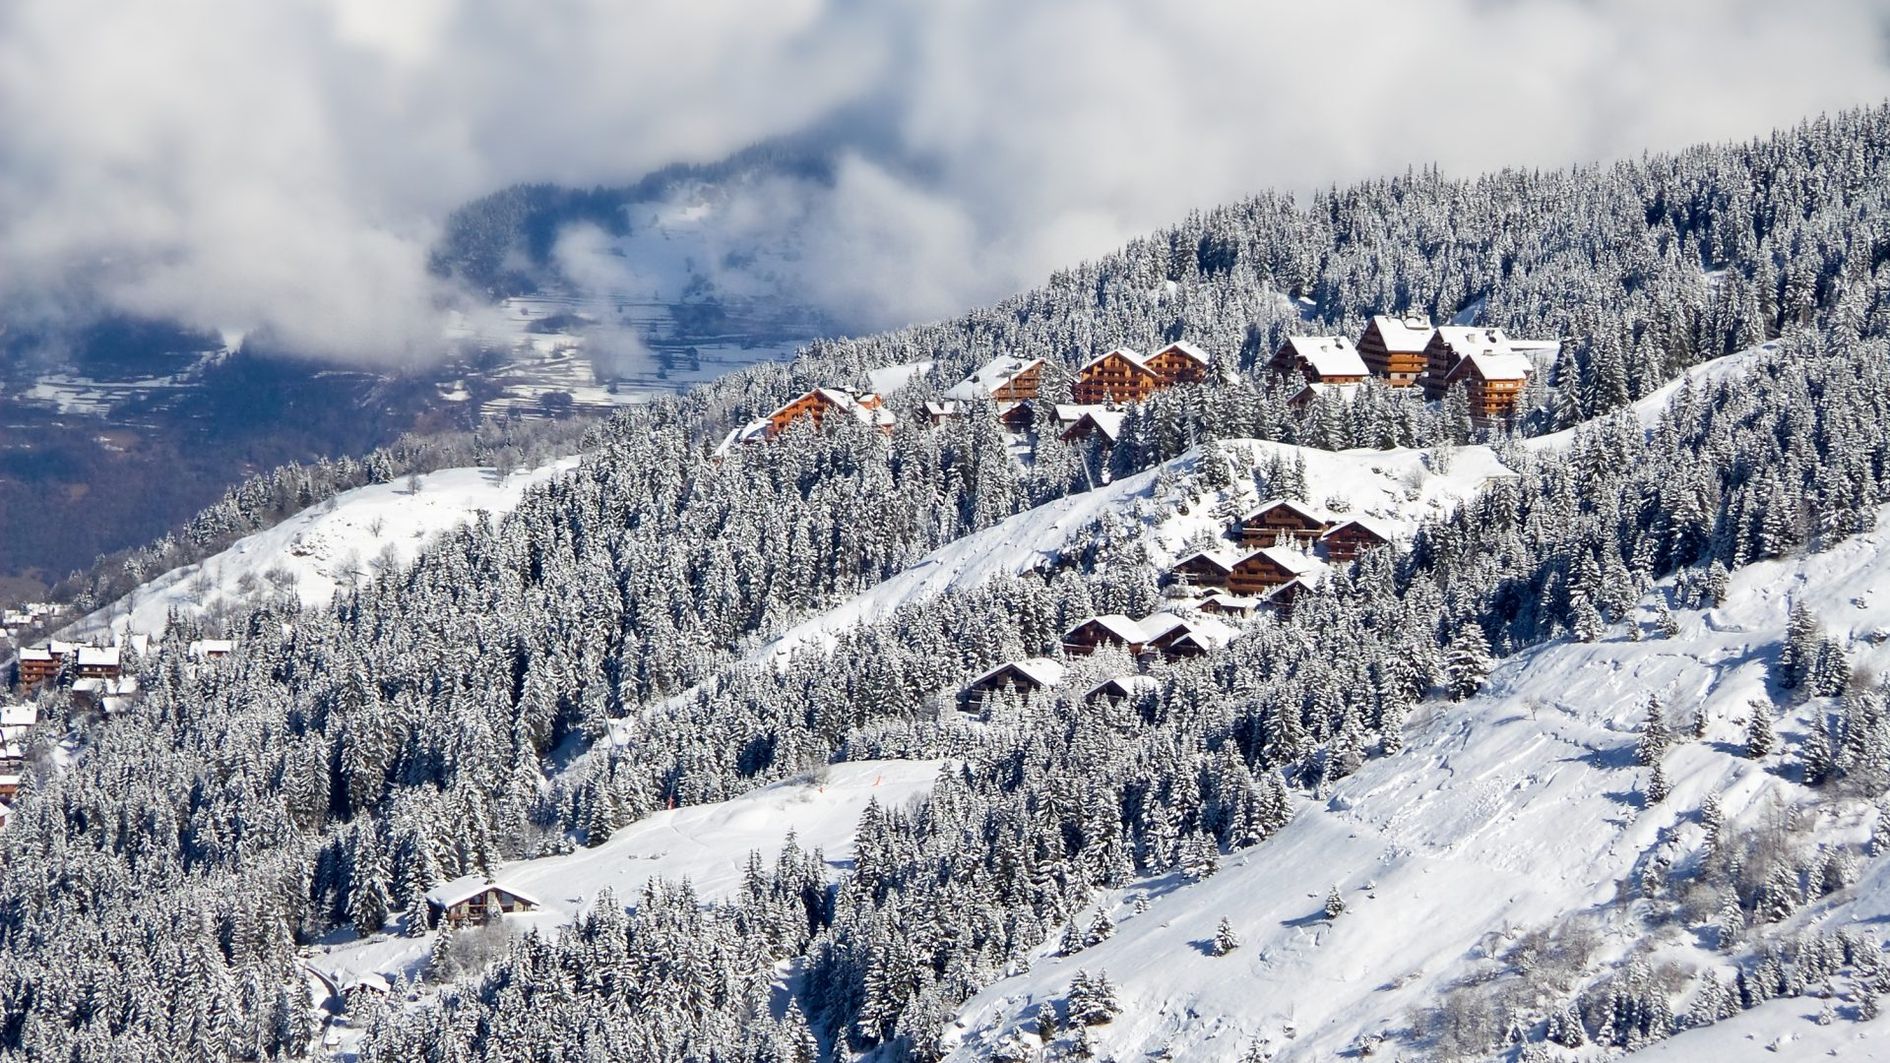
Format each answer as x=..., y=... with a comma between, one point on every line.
x=1648, y=408
x=1396, y=489
x=1514, y=811
x=705, y=844
x=322, y=548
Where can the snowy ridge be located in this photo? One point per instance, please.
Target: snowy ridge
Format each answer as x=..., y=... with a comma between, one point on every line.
x=322, y=548
x=1649, y=407
x=1502, y=815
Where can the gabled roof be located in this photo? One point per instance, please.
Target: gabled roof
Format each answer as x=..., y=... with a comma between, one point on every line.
x=948, y=408
x=1106, y=421
x=1492, y=367
x=1115, y=623
x=1300, y=508
x=98, y=656
x=466, y=887
x=1232, y=602
x=1328, y=355
x=1124, y=685
x=207, y=647
x=1319, y=390
x=1131, y=356
x=1471, y=339
x=1040, y=670
x=1286, y=557
x=1220, y=559
x=1405, y=333
x=1186, y=350
x=1357, y=522
x=989, y=377
x=18, y=716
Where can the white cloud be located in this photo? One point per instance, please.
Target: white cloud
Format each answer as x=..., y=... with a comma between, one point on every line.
x=284, y=166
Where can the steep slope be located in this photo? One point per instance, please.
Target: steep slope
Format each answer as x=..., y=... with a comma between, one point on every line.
x=1507, y=813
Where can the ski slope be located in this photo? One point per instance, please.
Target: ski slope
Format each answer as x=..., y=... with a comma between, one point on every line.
x=322, y=548
x=1503, y=814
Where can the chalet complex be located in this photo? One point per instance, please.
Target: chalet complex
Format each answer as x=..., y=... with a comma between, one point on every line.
x=39, y=664
x=1408, y=351
x=815, y=406
x=1122, y=375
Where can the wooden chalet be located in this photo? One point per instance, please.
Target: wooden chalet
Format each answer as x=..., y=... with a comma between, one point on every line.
x=1229, y=605
x=1393, y=347
x=1002, y=379
x=1280, y=519
x=940, y=412
x=475, y=900
x=1095, y=422
x=1203, y=568
x=1176, y=637
x=1493, y=384
x=1111, y=629
x=816, y=406
x=1312, y=393
x=211, y=649
x=97, y=662
x=1121, y=375
x=9, y=787
x=1180, y=363
x=1117, y=689
x=1029, y=676
x=1319, y=360
x=1451, y=344
x=1281, y=598
x=1018, y=416
x=1269, y=567
x=1348, y=539
x=37, y=664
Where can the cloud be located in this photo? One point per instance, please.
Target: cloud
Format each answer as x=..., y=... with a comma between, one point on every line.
x=284, y=167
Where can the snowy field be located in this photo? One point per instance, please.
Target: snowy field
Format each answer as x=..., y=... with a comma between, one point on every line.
x=324, y=547
x=1503, y=814
x=706, y=844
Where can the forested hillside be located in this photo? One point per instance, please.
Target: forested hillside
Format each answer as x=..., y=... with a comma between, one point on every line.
x=165, y=864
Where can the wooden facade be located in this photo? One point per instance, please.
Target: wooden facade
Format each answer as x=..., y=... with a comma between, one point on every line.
x=476, y=907
x=1393, y=348
x=1349, y=539
x=1263, y=570
x=1179, y=363
x=1202, y=569
x=36, y=666
x=1319, y=360
x=816, y=404
x=1020, y=386
x=1119, y=376
x=1279, y=520
x=1493, y=391
x=1099, y=631
x=1025, y=677
x=1018, y=416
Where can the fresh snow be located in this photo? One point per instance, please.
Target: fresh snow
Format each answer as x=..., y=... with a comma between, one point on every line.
x=1503, y=814
x=1649, y=408
x=706, y=844
x=1396, y=489
x=323, y=547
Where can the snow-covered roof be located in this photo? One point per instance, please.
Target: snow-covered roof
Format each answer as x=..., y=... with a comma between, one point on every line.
x=1300, y=508
x=1115, y=623
x=1468, y=340
x=1319, y=390
x=1327, y=355
x=36, y=654
x=1493, y=367
x=1186, y=350
x=1404, y=334
x=211, y=647
x=1040, y=670
x=1232, y=602
x=1124, y=684
x=98, y=656
x=1069, y=413
x=989, y=377
x=1287, y=558
x=1358, y=522
x=370, y=981
x=1106, y=421
x=947, y=408
x=1221, y=559
x=1133, y=357
x=466, y=887
x=18, y=715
